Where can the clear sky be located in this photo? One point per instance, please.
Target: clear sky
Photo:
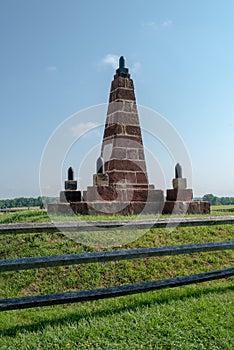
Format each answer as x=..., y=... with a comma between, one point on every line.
x=59, y=57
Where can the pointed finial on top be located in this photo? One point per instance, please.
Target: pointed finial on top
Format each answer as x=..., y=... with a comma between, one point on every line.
x=100, y=165
x=178, y=171
x=122, y=62
x=122, y=71
x=70, y=174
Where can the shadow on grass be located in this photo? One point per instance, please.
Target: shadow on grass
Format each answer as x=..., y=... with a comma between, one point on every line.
x=132, y=304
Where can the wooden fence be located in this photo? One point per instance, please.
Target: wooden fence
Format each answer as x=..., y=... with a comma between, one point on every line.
x=96, y=257
x=101, y=225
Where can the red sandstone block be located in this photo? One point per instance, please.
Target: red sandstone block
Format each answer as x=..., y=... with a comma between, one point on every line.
x=128, y=141
x=133, y=130
x=113, y=129
x=109, y=208
x=155, y=195
x=205, y=207
x=107, y=143
x=176, y=207
x=84, y=195
x=153, y=207
x=145, y=195
x=122, y=177
x=129, y=83
x=134, y=186
x=115, y=106
x=80, y=208
x=113, y=97
x=130, y=106
x=132, y=153
x=107, y=193
x=146, y=208
x=119, y=153
x=136, y=195
x=141, y=165
x=118, y=82
x=141, y=178
x=130, y=177
x=137, y=207
x=70, y=196
x=125, y=94
x=122, y=94
x=101, y=193
x=126, y=165
x=141, y=153
x=122, y=82
x=197, y=207
x=194, y=208
x=179, y=195
x=124, y=118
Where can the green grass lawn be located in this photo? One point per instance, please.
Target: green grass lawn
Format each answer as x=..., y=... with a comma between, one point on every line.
x=190, y=317
x=37, y=215
x=223, y=207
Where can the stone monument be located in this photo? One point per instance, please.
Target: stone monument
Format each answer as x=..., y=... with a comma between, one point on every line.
x=120, y=185
x=121, y=182
x=179, y=200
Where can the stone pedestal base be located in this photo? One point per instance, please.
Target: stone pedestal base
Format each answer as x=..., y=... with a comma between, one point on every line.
x=70, y=196
x=179, y=194
x=106, y=208
x=70, y=185
x=183, y=207
x=180, y=183
x=130, y=208
x=123, y=199
x=122, y=194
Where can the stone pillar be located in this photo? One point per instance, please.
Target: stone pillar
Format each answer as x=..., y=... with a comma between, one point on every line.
x=70, y=194
x=122, y=147
x=179, y=200
x=123, y=183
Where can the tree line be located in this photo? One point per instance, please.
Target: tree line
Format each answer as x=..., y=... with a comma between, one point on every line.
x=26, y=202
x=218, y=200
x=41, y=201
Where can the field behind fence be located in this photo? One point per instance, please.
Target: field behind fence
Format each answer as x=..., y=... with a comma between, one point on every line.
x=39, y=262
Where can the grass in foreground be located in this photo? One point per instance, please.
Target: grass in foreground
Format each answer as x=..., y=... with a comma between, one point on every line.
x=191, y=317
x=195, y=317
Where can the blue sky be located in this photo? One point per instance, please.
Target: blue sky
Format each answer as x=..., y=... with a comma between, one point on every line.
x=58, y=57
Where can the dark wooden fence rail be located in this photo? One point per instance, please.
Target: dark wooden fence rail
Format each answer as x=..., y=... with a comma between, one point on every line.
x=94, y=257
x=75, y=226
x=102, y=293
x=95, y=294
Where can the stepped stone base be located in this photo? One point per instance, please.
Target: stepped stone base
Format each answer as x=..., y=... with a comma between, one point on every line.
x=179, y=194
x=107, y=208
x=70, y=196
x=130, y=208
x=122, y=194
x=186, y=207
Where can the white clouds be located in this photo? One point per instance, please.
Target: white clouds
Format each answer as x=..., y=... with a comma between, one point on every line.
x=82, y=128
x=150, y=24
x=111, y=60
x=157, y=25
x=167, y=23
